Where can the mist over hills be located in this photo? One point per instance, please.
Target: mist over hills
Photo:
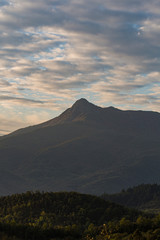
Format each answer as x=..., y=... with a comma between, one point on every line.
x=87, y=149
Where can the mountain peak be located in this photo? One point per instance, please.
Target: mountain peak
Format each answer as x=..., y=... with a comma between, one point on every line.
x=82, y=106
x=81, y=102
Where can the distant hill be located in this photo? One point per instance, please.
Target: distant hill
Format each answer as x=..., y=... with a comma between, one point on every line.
x=87, y=149
x=144, y=197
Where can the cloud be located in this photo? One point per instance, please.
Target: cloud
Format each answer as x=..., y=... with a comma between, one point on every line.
x=53, y=52
x=21, y=100
x=18, y=120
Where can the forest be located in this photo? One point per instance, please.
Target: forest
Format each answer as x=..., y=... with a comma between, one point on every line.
x=143, y=197
x=71, y=215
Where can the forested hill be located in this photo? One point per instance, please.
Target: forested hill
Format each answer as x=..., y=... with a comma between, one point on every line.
x=63, y=208
x=72, y=216
x=144, y=196
x=62, y=215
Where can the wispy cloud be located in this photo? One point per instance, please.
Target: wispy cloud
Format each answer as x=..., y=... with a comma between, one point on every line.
x=52, y=52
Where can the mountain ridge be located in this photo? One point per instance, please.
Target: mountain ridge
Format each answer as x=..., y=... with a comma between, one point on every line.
x=75, y=113
x=83, y=110
x=87, y=149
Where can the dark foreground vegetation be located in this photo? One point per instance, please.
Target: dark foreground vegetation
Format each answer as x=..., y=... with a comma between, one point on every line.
x=70, y=216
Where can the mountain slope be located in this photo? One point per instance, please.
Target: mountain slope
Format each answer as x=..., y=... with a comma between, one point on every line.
x=87, y=149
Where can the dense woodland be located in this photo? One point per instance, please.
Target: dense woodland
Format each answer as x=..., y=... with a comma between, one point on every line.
x=46, y=216
x=143, y=197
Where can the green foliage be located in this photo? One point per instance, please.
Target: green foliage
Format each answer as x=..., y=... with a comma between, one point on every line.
x=145, y=196
x=72, y=216
x=51, y=209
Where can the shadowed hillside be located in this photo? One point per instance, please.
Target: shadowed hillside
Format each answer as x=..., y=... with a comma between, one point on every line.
x=87, y=149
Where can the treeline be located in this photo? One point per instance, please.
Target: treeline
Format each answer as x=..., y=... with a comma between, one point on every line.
x=143, y=228
x=51, y=209
x=26, y=232
x=72, y=216
x=145, y=196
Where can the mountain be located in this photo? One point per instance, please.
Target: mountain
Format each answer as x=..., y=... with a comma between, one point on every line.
x=87, y=149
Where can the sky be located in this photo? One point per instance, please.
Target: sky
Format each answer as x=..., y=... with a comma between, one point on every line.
x=53, y=52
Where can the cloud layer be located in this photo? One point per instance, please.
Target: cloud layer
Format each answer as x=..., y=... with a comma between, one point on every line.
x=53, y=52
